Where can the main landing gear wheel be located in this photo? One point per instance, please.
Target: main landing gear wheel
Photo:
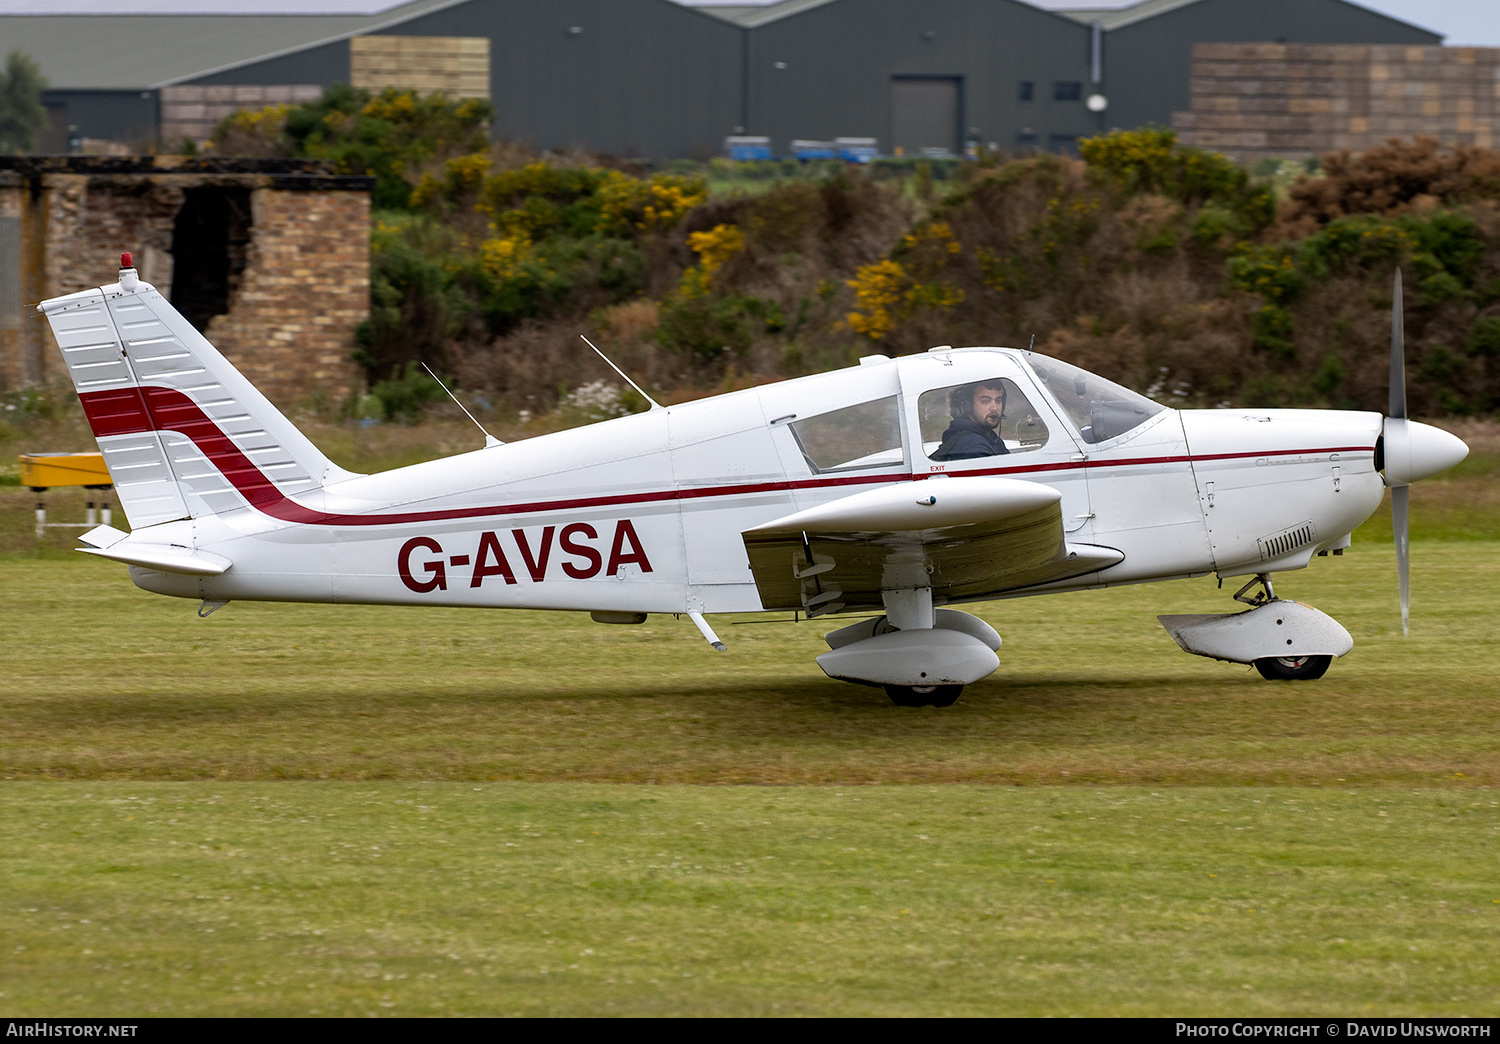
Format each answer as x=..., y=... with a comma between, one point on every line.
x=1293, y=668
x=923, y=695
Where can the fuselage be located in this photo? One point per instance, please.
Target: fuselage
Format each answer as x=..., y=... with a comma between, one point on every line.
x=645, y=513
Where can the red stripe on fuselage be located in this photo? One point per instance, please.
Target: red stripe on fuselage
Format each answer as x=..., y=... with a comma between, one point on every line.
x=130, y=411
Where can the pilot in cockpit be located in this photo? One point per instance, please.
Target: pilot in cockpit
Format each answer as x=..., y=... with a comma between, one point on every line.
x=975, y=432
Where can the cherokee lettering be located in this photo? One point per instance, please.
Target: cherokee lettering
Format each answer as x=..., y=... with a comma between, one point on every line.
x=435, y=569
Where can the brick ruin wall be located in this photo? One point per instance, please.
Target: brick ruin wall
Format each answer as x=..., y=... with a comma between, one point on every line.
x=1297, y=100
x=290, y=328
x=291, y=319
x=13, y=264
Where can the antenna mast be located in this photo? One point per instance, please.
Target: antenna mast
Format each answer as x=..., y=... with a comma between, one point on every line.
x=654, y=404
x=489, y=440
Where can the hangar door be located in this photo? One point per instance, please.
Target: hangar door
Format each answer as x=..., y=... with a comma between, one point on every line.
x=925, y=113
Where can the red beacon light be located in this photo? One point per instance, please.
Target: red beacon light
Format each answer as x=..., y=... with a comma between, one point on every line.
x=130, y=279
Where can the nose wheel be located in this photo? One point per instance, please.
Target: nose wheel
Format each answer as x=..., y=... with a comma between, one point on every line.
x=1293, y=668
x=924, y=695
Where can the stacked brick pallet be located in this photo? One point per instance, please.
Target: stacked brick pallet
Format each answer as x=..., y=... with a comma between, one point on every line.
x=193, y=112
x=459, y=66
x=1294, y=100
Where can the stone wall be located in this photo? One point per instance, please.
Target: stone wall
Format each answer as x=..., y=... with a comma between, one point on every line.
x=291, y=309
x=1297, y=100
x=13, y=264
x=290, y=329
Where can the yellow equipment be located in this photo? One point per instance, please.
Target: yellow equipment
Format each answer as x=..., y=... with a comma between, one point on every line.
x=43, y=471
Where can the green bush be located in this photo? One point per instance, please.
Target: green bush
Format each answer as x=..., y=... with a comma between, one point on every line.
x=1484, y=338
x=1271, y=330
x=706, y=327
x=404, y=397
x=1149, y=160
x=415, y=306
x=390, y=135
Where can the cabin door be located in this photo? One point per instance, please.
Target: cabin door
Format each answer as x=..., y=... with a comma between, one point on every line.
x=948, y=401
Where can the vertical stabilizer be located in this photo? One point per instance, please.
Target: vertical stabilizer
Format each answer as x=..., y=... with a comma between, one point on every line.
x=183, y=433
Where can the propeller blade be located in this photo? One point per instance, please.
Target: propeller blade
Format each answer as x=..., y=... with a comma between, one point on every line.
x=1398, y=355
x=1400, y=525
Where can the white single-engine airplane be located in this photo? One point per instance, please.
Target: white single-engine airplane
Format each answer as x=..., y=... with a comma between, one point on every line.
x=898, y=486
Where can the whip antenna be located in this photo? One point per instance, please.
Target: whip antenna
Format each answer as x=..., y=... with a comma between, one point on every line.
x=654, y=404
x=489, y=440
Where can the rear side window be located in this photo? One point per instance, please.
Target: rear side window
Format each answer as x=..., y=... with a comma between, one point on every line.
x=864, y=436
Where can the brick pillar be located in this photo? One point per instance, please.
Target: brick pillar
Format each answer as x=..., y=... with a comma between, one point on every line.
x=12, y=295
x=306, y=286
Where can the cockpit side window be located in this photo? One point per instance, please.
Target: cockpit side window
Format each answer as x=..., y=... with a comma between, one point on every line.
x=1102, y=409
x=867, y=435
x=955, y=420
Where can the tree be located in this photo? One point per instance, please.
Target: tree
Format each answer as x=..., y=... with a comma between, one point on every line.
x=21, y=113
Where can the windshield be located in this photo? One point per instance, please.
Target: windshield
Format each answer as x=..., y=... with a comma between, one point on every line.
x=1101, y=409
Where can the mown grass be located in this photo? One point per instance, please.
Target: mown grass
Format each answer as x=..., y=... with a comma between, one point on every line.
x=458, y=898
x=296, y=810
x=107, y=682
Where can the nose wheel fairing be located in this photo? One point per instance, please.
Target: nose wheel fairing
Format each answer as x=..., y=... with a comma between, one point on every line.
x=1279, y=629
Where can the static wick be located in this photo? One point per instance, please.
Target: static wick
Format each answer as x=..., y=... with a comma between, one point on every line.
x=489, y=440
x=654, y=404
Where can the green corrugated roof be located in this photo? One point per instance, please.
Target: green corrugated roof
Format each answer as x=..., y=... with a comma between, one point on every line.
x=133, y=52
x=141, y=51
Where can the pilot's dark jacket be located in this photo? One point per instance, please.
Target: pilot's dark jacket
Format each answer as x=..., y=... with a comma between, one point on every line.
x=966, y=438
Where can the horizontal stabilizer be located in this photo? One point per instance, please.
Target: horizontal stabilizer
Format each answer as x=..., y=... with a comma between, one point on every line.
x=168, y=558
x=103, y=536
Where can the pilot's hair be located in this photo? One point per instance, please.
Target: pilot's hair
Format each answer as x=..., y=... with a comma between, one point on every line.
x=961, y=399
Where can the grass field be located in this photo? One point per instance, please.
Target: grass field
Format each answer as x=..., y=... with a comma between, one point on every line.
x=458, y=898
x=293, y=810
x=302, y=809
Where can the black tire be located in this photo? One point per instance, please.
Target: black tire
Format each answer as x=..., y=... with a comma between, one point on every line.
x=1293, y=668
x=923, y=695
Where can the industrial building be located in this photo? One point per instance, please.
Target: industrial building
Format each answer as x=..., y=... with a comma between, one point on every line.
x=661, y=78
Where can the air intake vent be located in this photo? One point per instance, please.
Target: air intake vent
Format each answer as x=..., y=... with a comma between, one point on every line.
x=1286, y=542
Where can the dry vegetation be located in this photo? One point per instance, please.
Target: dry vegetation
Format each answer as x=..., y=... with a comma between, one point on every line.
x=1167, y=269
